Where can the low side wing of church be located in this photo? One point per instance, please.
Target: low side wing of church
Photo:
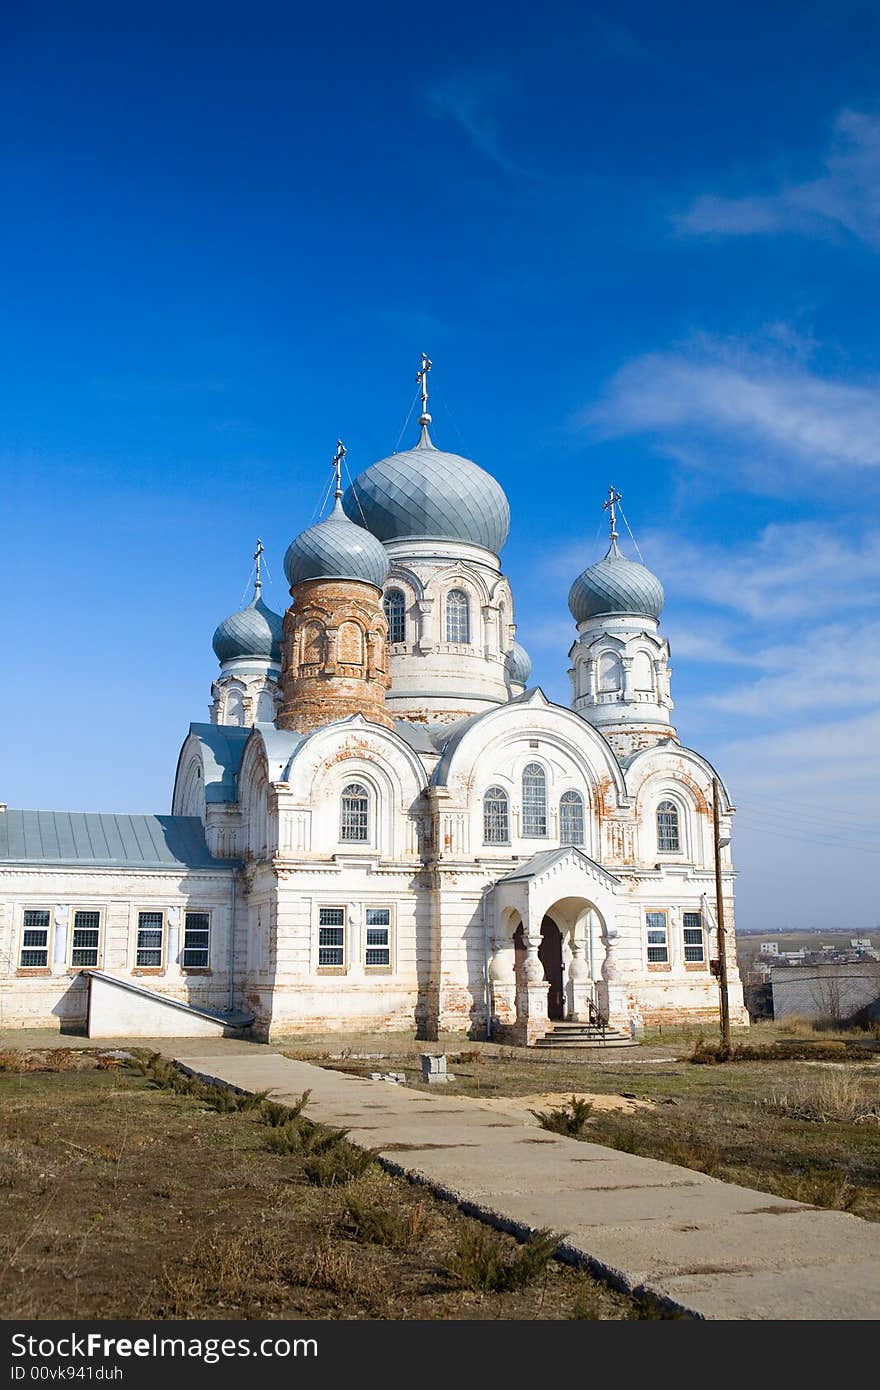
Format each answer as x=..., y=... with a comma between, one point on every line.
x=384, y=825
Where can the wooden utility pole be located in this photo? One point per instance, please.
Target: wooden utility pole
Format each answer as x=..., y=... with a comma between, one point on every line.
x=719, y=917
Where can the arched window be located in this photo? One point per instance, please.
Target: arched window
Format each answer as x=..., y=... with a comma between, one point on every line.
x=266, y=707
x=668, y=834
x=496, y=817
x=395, y=615
x=643, y=672
x=355, y=814
x=571, y=818
x=458, y=626
x=610, y=673
x=534, y=801
x=235, y=708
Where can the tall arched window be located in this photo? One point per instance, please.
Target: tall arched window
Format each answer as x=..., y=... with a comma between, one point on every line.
x=496, y=817
x=571, y=818
x=458, y=626
x=355, y=814
x=395, y=615
x=534, y=801
x=610, y=673
x=668, y=833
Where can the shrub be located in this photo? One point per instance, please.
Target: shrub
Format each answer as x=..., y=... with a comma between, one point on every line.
x=375, y=1225
x=272, y=1112
x=337, y=1164
x=484, y=1263
x=569, y=1119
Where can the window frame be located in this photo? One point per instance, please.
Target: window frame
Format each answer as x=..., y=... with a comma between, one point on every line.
x=465, y=607
x=496, y=787
x=668, y=801
x=150, y=912
x=386, y=966
x=525, y=832
x=664, y=962
x=72, y=946
x=397, y=592
x=364, y=791
x=332, y=967
x=207, y=931
x=574, y=798
x=25, y=927
x=693, y=945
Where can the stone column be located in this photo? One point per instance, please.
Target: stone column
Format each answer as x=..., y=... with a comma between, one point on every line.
x=579, y=975
x=626, y=663
x=532, y=988
x=612, y=994
x=502, y=980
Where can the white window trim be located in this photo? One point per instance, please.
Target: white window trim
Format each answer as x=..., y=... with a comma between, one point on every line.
x=392, y=937
x=154, y=912
x=35, y=907
x=201, y=912
x=664, y=913
x=685, y=946
x=684, y=827
x=342, y=969
x=71, y=932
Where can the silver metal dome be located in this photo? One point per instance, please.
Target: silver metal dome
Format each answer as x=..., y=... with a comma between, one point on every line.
x=427, y=492
x=615, y=585
x=336, y=549
x=254, y=631
x=518, y=664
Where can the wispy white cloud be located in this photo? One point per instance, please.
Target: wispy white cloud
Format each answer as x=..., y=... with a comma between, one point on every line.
x=845, y=194
x=756, y=399
x=470, y=99
x=828, y=668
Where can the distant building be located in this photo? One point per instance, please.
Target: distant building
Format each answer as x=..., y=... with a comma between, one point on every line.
x=829, y=990
x=769, y=948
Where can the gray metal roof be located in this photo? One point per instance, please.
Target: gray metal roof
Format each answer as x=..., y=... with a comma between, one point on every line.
x=110, y=841
x=336, y=549
x=222, y=751
x=254, y=631
x=546, y=858
x=615, y=585
x=426, y=492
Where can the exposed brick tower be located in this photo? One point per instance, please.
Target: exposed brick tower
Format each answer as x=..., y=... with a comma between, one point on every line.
x=334, y=651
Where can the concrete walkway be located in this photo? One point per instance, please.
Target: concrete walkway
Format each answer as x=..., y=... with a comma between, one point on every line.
x=709, y=1248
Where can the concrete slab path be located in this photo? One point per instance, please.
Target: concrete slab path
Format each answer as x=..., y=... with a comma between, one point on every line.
x=709, y=1248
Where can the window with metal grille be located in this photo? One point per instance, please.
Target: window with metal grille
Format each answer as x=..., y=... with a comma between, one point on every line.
x=150, y=939
x=331, y=936
x=196, y=941
x=496, y=817
x=534, y=801
x=35, y=938
x=458, y=625
x=377, y=950
x=658, y=944
x=571, y=818
x=355, y=814
x=694, y=947
x=395, y=615
x=86, y=938
x=668, y=837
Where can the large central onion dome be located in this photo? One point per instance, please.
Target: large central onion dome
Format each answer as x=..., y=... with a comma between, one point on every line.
x=336, y=549
x=428, y=493
x=615, y=585
x=255, y=631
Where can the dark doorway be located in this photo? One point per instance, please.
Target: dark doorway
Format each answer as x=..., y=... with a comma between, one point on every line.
x=550, y=956
x=519, y=952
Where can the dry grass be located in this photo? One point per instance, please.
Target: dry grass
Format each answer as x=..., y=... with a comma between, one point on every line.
x=835, y=1097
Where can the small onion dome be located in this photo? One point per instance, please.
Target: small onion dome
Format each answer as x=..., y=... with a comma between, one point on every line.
x=615, y=585
x=428, y=493
x=336, y=549
x=518, y=664
x=255, y=631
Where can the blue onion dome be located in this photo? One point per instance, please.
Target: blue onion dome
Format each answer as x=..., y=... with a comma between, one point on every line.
x=255, y=631
x=615, y=585
x=336, y=549
x=428, y=493
x=518, y=664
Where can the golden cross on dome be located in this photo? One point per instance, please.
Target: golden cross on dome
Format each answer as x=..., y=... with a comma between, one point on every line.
x=422, y=379
x=611, y=505
x=341, y=451
x=258, y=582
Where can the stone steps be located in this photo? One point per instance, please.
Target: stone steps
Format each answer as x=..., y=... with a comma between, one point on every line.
x=583, y=1035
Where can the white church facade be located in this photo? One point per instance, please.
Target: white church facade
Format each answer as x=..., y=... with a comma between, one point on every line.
x=383, y=825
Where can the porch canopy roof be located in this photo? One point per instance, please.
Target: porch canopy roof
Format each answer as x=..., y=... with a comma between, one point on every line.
x=553, y=876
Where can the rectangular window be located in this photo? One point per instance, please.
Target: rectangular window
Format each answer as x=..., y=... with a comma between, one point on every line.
x=658, y=945
x=150, y=939
x=377, y=950
x=331, y=936
x=694, y=949
x=86, y=939
x=35, y=938
x=196, y=938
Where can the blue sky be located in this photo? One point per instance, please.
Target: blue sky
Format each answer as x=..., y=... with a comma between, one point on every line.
x=641, y=245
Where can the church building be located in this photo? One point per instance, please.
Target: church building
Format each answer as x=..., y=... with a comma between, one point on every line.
x=383, y=824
